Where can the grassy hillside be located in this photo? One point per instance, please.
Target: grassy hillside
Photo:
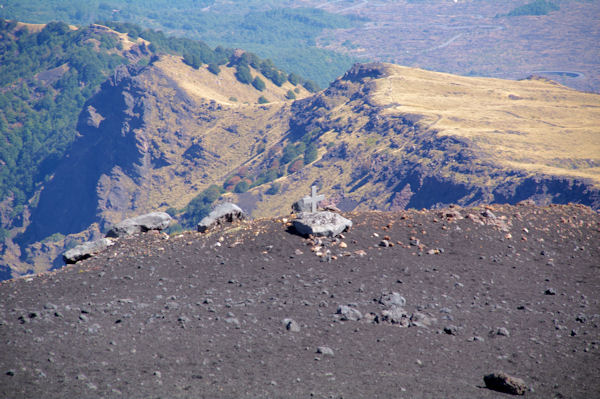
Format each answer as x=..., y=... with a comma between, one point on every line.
x=533, y=125
x=48, y=72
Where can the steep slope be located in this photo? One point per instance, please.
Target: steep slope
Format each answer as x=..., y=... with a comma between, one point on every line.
x=394, y=137
x=146, y=142
x=380, y=137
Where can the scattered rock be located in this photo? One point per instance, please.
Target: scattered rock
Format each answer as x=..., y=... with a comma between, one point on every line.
x=392, y=299
x=349, y=313
x=550, y=291
x=451, y=330
x=223, y=213
x=502, y=331
x=140, y=224
x=395, y=315
x=325, y=350
x=291, y=325
x=503, y=382
x=86, y=250
x=321, y=224
x=419, y=319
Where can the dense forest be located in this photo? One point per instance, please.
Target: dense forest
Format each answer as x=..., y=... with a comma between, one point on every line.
x=46, y=76
x=285, y=35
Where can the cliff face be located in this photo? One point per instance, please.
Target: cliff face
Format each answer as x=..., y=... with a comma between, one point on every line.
x=108, y=145
x=155, y=136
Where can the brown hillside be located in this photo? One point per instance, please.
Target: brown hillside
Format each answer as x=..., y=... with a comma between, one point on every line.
x=385, y=137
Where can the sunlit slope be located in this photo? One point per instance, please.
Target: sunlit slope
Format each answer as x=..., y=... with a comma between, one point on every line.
x=532, y=125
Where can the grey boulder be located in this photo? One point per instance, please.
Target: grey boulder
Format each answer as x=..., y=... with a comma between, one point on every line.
x=321, y=224
x=86, y=250
x=223, y=213
x=140, y=224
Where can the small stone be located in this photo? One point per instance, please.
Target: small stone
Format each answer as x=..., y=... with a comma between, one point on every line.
x=451, y=330
x=550, y=291
x=503, y=382
x=325, y=350
x=349, y=313
x=384, y=243
x=158, y=374
x=502, y=331
x=392, y=299
x=291, y=325
x=10, y=373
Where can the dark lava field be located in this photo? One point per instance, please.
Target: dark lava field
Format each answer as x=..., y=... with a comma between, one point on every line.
x=413, y=304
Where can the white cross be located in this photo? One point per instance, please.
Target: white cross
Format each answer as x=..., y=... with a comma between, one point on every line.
x=314, y=199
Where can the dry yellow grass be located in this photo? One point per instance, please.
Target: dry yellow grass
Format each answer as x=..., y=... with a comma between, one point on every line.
x=532, y=125
x=223, y=88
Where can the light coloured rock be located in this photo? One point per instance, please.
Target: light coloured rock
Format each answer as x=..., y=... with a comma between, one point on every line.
x=395, y=315
x=325, y=350
x=140, y=224
x=349, y=313
x=326, y=223
x=291, y=325
x=392, y=299
x=223, y=213
x=86, y=250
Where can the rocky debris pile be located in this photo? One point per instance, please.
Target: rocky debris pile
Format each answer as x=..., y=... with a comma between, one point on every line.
x=154, y=221
x=140, y=224
x=503, y=382
x=86, y=250
x=325, y=223
x=223, y=213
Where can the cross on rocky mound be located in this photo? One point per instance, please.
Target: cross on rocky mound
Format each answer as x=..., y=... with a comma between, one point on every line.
x=309, y=202
x=315, y=223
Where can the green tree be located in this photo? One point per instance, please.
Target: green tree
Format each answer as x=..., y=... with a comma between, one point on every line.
x=290, y=95
x=258, y=84
x=214, y=68
x=242, y=74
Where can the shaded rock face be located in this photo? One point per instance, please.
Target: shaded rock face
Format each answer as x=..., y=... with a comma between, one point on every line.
x=68, y=204
x=503, y=382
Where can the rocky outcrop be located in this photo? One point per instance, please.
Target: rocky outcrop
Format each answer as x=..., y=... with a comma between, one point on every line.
x=325, y=223
x=222, y=214
x=503, y=382
x=140, y=224
x=86, y=250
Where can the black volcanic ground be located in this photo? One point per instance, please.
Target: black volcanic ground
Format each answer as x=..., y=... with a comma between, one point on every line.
x=514, y=290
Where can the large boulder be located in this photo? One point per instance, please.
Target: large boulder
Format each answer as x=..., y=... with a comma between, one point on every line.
x=321, y=224
x=86, y=250
x=502, y=382
x=223, y=213
x=140, y=224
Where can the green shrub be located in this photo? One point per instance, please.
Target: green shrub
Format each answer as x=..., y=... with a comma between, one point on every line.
x=242, y=187
x=263, y=100
x=274, y=189
x=290, y=95
x=214, y=68
x=310, y=154
x=258, y=84
x=242, y=74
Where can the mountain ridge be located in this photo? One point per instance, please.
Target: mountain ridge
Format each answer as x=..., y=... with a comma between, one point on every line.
x=369, y=150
